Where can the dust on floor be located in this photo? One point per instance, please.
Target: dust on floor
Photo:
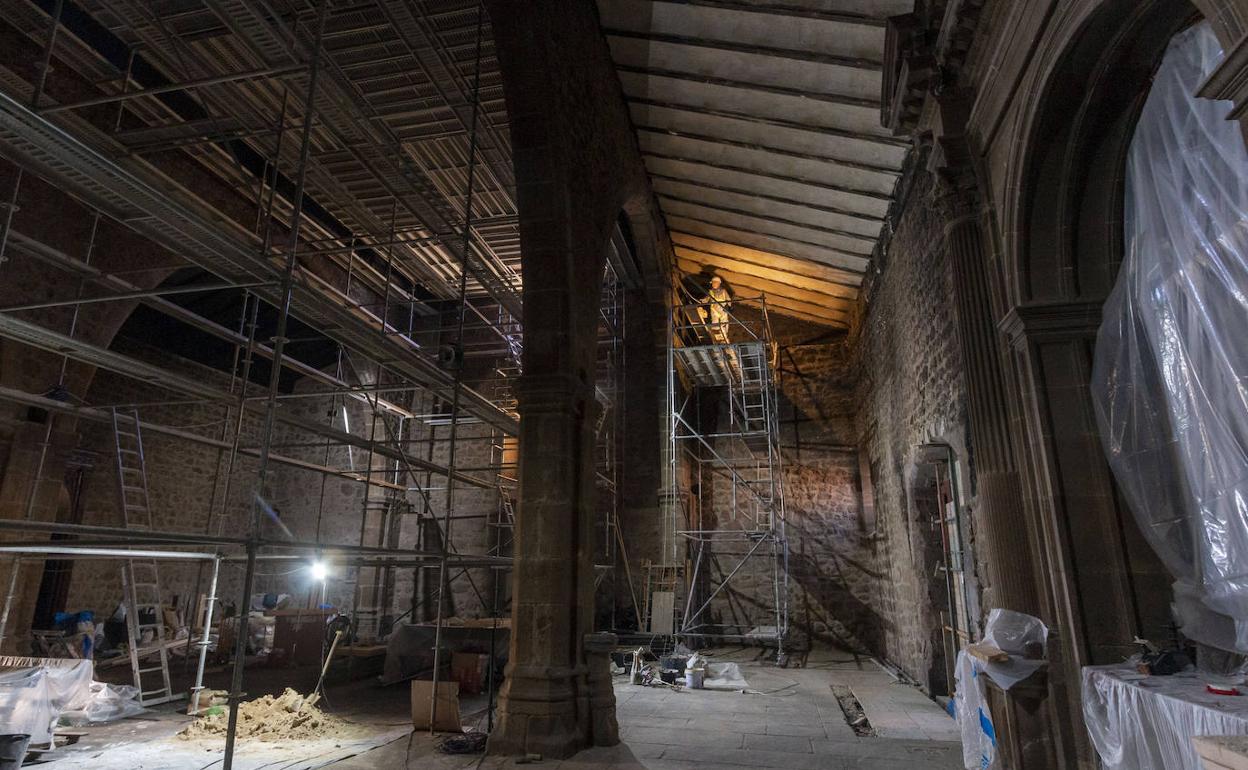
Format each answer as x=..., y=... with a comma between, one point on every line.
x=289, y=716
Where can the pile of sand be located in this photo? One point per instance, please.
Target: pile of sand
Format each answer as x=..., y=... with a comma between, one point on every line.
x=289, y=716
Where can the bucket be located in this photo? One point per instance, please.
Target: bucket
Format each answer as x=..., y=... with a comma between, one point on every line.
x=13, y=751
x=695, y=678
x=674, y=661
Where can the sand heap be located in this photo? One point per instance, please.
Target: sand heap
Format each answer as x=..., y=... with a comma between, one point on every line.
x=286, y=717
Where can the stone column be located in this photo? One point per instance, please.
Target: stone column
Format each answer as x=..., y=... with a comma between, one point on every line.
x=604, y=729
x=1000, y=522
x=641, y=474
x=545, y=704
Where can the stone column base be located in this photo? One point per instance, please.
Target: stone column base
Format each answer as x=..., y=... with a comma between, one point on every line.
x=538, y=714
x=603, y=727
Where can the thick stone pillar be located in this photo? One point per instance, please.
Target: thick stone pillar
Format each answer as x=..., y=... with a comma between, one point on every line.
x=641, y=473
x=1000, y=522
x=546, y=703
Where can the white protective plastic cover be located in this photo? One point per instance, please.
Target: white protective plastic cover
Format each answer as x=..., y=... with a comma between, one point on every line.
x=32, y=698
x=979, y=737
x=1169, y=379
x=1012, y=632
x=1148, y=723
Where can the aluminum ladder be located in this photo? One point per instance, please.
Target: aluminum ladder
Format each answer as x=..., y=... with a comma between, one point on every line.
x=140, y=578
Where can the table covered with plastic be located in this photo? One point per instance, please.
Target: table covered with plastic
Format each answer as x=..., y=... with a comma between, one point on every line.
x=1147, y=723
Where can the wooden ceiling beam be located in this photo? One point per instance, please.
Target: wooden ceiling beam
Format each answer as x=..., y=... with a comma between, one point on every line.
x=771, y=275
x=821, y=306
x=801, y=267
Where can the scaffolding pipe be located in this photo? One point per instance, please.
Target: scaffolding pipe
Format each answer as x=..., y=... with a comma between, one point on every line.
x=459, y=385
x=204, y=641
x=183, y=538
x=62, y=261
x=143, y=294
x=126, y=96
x=86, y=412
x=11, y=208
x=72, y=552
x=279, y=342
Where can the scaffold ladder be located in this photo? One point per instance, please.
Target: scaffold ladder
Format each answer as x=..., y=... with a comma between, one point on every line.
x=140, y=578
x=753, y=393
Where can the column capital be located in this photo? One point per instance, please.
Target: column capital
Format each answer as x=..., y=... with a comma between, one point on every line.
x=956, y=194
x=1051, y=322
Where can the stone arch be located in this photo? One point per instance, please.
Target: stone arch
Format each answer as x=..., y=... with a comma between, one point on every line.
x=1064, y=179
x=1061, y=242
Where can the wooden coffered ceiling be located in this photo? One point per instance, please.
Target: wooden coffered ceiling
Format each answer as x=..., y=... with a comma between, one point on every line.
x=759, y=122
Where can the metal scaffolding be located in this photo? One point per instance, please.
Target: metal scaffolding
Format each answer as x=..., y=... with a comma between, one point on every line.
x=369, y=141
x=723, y=491
x=608, y=434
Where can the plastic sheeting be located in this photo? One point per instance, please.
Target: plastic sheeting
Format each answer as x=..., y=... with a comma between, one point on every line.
x=1170, y=364
x=32, y=699
x=979, y=737
x=1013, y=632
x=106, y=703
x=724, y=676
x=1148, y=723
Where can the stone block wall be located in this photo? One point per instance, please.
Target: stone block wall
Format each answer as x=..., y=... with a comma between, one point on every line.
x=860, y=572
x=831, y=575
x=187, y=480
x=832, y=569
x=910, y=391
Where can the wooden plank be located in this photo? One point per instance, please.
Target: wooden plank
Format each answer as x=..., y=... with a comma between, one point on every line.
x=987, y=653
x=1219, y=752
x=820, y=320
x=816, y=253
x=662, y=607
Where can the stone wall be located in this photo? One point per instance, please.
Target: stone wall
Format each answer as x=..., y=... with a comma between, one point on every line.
x=862, y=572
x=910, y=392
x=831, y=576
x=186, y=481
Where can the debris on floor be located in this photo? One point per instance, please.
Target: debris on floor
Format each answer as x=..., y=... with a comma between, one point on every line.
x=653, y=674
x=206, y=699
x=464, y=743
x=286, y=717
x=855, y=715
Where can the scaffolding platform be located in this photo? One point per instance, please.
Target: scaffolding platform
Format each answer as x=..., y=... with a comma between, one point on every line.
x=723, y=493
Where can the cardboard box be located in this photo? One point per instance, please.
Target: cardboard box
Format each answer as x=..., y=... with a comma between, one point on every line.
x=447, y=718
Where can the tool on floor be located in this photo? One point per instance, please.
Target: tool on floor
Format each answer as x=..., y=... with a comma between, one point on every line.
x=316, y=691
